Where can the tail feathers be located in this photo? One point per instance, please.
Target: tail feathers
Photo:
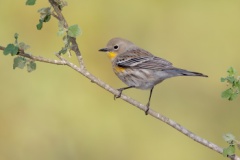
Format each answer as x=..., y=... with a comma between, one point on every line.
x=182, y=72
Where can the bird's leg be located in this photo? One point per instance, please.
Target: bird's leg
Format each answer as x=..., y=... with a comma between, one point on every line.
x=148, y=104
x=120, y=91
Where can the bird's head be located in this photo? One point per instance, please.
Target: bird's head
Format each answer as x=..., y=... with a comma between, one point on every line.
x=117, y=46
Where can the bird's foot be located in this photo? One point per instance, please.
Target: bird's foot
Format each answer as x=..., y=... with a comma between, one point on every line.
x=146, y=112
x=119, y=95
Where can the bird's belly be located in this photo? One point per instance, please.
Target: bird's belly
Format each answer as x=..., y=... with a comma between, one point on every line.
x=140, y=78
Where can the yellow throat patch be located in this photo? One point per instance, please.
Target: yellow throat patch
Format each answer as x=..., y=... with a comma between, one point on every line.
x=112, y=55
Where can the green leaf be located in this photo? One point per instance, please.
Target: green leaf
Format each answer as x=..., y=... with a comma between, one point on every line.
x=40, y=24
x=231, y=71
x=23, y=46
x=229, y=151
x=31, y=66
x=233, y=96
x=44, y=12
x=16, y=35
x=228, y=137
x=225, y=152
x=223, y=79
x=16, y=38
x=14, y=51
x=8, y=49
x=47, y=18
x=227, y=93
x=30, y=2
x=11, y=48
x=74, y=31
x=19, y=62
x=234, y=85
x=61, y=29
x=238, y=85
x=230, y=79
x=61, y=32
x=63, y=51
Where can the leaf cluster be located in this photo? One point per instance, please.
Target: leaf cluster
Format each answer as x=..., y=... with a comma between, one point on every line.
x=46, y=13
x=233, y=82
x=231, y=140
x=72, y=32
x=30, y=2
x=19, y=61
x=45, y=16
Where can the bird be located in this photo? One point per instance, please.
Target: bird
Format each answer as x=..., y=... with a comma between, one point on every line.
x=140, y=69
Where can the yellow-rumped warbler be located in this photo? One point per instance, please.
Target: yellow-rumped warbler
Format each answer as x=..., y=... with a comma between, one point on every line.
x=138, y=68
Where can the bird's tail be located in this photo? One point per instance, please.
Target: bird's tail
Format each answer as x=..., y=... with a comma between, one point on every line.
x=183, y=72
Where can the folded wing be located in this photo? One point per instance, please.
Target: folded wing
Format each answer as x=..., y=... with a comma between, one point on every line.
x=142, y=61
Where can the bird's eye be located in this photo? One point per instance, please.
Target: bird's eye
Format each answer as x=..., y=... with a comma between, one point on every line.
x=115, y=47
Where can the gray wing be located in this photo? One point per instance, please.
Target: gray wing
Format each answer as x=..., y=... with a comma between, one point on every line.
x=142, y=61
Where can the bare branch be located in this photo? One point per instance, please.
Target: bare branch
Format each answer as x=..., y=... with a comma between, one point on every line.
x=54, y=15
x=37, y=58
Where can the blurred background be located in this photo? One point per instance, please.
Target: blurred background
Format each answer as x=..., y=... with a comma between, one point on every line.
x=54, y=113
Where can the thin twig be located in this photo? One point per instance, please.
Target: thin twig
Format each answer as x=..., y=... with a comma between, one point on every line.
x=38, y=58
x=54, y=15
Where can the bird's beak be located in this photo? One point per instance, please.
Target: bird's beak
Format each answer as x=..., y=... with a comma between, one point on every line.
x=104, y=50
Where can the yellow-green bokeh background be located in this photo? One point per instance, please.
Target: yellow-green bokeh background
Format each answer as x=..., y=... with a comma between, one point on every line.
x=54, y=113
